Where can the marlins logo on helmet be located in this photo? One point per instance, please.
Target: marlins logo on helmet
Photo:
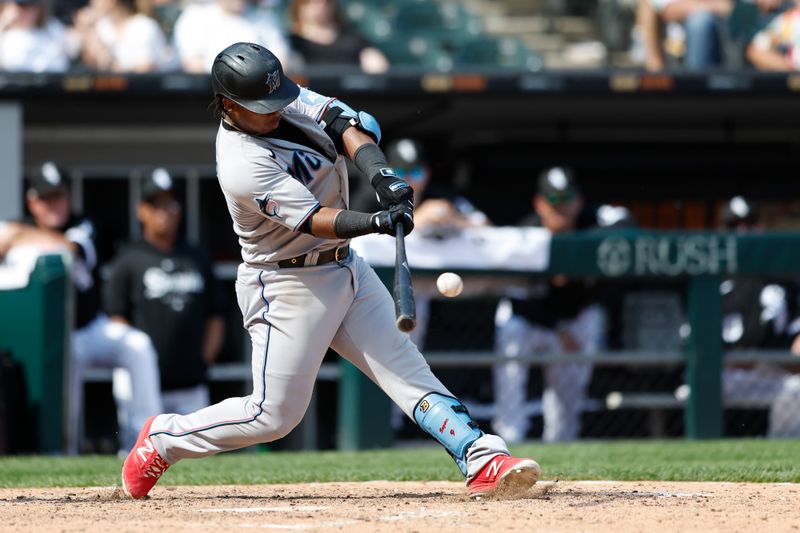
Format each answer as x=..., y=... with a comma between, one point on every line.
x=273, y=81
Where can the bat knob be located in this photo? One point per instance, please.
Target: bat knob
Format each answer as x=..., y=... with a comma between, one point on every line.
x=406, y=323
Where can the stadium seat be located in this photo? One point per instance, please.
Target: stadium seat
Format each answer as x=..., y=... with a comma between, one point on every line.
x=362, y=11
x=373, y=25
x=495, y=53
x=447, y=21
x=417, y=51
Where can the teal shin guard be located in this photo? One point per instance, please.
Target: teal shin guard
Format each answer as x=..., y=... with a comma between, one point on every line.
x=448, y=421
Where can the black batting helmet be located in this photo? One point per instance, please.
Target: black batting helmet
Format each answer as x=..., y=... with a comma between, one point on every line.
x=252, y=76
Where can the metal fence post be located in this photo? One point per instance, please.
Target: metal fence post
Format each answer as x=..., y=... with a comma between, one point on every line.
x=703, y=415
x=11, y=156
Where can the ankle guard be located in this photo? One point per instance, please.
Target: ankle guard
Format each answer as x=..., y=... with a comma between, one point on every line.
x=447, y=420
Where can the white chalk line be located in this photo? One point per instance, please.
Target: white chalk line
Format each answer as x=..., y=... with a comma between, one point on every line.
x=301, y=527
x=282, y=509
x=405, y=516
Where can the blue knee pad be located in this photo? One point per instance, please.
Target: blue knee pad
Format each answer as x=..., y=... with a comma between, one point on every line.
x=447, y=420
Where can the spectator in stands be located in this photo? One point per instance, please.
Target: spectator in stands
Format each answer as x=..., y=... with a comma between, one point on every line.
x=757, y=314
x=31, y=40
x=203, y=29
x=166, y=288
x=552, y=316
x=96, y=341
x=777, y=46
x=694, y=29
x=116, y=36
x=321, y=38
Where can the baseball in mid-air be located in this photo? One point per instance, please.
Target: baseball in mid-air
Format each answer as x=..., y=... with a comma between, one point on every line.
x=450, y=284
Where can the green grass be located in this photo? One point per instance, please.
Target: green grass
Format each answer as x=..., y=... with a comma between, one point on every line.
x=723, y=460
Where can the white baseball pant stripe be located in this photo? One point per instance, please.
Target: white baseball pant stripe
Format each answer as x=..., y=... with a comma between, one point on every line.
x=293, y=316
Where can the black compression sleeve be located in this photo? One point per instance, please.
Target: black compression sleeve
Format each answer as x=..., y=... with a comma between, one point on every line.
x=349, y=224
x=370, y=160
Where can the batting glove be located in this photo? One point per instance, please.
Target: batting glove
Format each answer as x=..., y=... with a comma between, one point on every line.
x=386, y=221
x=392, y=190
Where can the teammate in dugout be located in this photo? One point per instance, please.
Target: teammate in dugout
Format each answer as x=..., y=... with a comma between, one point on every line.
x=165, y=287
x=559, y=315
x=96, y=340
x=280, y=165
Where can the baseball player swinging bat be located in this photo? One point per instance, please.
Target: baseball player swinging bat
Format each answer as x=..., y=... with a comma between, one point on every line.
x=284, y=217
x=403, y=292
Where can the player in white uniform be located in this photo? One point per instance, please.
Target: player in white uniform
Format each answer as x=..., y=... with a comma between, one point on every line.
x=300, y=288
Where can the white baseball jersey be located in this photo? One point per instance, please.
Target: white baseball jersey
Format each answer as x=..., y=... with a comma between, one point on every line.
x=272, y=185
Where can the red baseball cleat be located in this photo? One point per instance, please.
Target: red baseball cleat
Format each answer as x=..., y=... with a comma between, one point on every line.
x=143, y=466
x=504, y=476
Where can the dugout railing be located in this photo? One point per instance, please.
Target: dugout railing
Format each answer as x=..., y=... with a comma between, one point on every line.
x=701, y=259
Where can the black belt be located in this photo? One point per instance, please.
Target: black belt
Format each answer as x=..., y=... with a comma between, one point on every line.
x=334, y=254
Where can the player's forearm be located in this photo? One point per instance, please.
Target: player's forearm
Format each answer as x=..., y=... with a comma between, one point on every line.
x=22, y=234
x=214, y=337
x=321, y=223
x=329, y=223
x=370, y=160
x=352, y=140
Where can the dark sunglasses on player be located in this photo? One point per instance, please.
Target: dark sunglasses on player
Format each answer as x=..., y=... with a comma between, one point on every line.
x=413, y=174
x=558, y=198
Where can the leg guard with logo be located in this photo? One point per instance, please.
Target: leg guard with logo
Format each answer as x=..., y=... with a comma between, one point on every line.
x=448, y=421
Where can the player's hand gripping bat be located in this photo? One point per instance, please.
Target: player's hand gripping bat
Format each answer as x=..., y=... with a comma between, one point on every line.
x=404, y=307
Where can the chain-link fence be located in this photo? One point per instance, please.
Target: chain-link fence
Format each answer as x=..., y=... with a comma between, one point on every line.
x=616, y=367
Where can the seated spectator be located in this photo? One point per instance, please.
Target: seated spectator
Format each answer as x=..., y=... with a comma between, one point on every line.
x=757, y=314
x=551, y=316
x=96, y=341
x=166, y=288
x=777, y=46
x=116, y=36
x=321, y=38
x=31, y=40
x=203, y=29
x=700, y=21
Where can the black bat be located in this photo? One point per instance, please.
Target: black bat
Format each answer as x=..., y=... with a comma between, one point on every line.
x=404, y=307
